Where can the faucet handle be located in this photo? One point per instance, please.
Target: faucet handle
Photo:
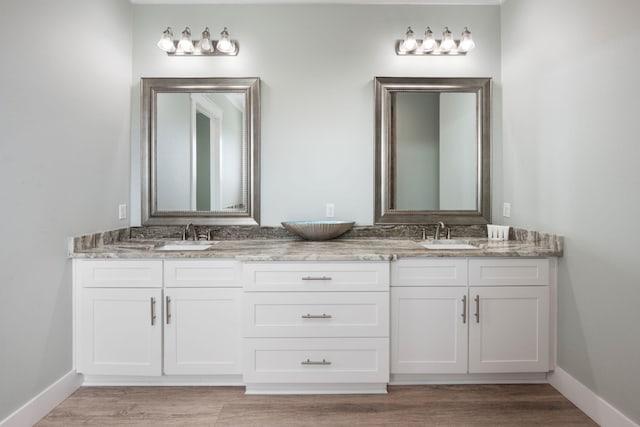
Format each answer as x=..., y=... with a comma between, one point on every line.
x=185, y=232
x=206, y=236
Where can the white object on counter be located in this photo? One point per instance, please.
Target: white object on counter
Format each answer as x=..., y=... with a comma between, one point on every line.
x=498, y=232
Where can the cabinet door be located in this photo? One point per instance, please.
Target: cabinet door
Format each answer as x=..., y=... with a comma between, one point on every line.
x=428, y=330
x=120, y=332
x=509, y=329
x=202, y=331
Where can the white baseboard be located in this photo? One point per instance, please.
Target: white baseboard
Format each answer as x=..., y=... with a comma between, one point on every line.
x=315, y=388
x=601, y=411
x=517, y=378
x=164, y=380
x=35, y=409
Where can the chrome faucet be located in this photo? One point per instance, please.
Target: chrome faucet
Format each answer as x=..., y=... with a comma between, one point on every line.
x=185, y=232
x=439, y=226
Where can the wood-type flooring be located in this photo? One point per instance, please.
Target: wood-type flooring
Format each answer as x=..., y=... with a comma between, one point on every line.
x=434, y=405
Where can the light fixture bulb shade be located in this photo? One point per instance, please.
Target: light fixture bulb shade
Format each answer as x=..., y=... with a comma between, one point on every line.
x=409, y=42
x=205, y=43
x=466, y=42
x=186, y=45
x=447, y=41
x=166, y=41
x=225, y=44
x=429, y=43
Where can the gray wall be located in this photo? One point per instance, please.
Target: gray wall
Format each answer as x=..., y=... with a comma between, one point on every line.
x=571, y=107
x=64, y=168
x=317, y=64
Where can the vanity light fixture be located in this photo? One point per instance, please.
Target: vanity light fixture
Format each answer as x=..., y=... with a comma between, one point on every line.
x=409, y=43
x=225, y=44
x=185, y=45
x=205, y=42
x=431, y=46
x=203, y=47
x=166, y=41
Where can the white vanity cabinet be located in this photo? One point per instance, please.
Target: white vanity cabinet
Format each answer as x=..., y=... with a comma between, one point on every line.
x=429, y=316
x=316, y=327
x=509, y=329
x=119, y=317
x=458, y=316
x=313, y=326
x=202, y=325
x=149, y=317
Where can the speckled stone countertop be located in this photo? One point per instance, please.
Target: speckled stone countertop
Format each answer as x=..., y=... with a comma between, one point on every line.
x=333, y=250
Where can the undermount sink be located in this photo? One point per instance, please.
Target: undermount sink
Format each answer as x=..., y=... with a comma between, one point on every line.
x=186, y=245
x=448, y=244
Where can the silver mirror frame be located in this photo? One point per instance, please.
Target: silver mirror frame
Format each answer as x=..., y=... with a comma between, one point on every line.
x=150, y=87
x=385, y=87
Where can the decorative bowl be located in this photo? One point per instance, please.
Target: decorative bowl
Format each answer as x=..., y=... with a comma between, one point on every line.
x=318, y=230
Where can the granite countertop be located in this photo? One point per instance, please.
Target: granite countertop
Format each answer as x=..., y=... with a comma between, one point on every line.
x=332, y=250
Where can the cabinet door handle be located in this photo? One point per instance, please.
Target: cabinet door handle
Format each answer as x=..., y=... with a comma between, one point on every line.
x=477, y=300
x=316, y=316
x=153, y=311
x=315, y=362
x=464, y=309
x=316, y=278
x=168, y=302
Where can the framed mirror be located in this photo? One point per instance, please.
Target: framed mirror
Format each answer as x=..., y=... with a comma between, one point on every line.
x=433, y=150
x=200, y=151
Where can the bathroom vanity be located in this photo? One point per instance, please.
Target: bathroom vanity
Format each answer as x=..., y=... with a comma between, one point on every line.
x=286, y=316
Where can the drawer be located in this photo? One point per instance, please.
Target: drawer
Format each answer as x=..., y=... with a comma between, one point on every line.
x=119, y=273
x=316, y=314
x=429, y=272
x=509, y=272
x=316, y=360
x=316, y=276
x=202, y=273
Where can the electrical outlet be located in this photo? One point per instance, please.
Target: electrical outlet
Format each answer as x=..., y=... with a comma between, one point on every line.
x=330, y=210
x=506, y=210
x=122, y=211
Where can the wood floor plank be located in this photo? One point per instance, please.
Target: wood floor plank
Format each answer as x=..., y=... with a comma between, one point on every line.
x=438, y=405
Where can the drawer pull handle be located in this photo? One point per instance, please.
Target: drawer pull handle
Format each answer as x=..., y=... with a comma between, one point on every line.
x=153, y=311
x=477, y=300
x=315, y=362
x=464, y=309
x=168, y=298
x=316, y=278
x=316, y=316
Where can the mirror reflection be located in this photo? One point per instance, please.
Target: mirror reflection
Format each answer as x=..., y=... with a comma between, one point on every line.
x=435, y=147
x=200, y=151
x=432, y=150
x=200, y=147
